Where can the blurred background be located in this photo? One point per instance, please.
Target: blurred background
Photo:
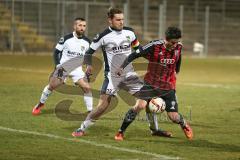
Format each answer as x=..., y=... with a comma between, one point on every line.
x=210, y=27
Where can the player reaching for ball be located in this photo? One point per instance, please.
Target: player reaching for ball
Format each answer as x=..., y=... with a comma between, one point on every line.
x=164, y=58
x=117, y=42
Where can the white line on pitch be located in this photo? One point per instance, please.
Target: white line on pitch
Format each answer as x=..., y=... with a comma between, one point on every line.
x=210, y=85
x=24, y=70
x=88, y=142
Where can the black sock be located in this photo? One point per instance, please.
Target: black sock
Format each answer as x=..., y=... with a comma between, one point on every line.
x=181, y=121
x=128, y=119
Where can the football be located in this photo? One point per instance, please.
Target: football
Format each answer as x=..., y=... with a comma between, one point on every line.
x=157, y=105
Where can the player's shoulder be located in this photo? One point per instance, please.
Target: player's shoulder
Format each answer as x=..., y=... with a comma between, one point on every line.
x=65, y=38
x=86, y=39
x=180, y=44
x=101, y=35
x=128, y=28
x=157, y=42
x=153, y=43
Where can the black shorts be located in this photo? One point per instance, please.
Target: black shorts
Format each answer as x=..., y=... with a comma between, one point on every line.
x=147, y=92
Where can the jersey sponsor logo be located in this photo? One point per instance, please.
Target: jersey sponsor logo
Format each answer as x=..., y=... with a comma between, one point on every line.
x=73, y=54
x=121, y=48
x=167, y=61
x=112, y=47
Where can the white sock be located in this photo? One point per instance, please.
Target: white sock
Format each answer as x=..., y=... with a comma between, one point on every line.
x=86, y=124
x=88, y=100
x=45, y=94
x=155, y=120
x=152, y=120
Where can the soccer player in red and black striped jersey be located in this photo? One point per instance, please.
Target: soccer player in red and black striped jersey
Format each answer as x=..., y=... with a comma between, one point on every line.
x=164, y=58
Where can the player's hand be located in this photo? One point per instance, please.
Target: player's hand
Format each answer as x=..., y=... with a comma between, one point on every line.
x=87, y=76
x=119, y=71
x=88, y=71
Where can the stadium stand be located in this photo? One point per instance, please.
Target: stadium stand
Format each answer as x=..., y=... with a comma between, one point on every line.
x=25, y=37
x=224, y=26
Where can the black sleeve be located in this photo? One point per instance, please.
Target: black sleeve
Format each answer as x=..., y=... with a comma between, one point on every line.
x=178, y=65
x=57, y=56
x=141, y=52
x=88, y=56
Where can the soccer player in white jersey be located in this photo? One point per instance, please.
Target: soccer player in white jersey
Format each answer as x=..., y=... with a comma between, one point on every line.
x=70, y=46
x=116, y=42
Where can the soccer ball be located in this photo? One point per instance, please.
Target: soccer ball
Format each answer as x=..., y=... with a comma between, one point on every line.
x=157, y=105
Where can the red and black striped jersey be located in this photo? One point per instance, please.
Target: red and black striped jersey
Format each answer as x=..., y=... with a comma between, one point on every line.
x=163, y=64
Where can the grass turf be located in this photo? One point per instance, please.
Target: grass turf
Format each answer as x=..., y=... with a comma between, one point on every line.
x=208, y=88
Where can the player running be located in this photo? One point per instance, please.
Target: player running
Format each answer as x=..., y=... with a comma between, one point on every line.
x=164, y=58
x=116, y=42
x=69, y=47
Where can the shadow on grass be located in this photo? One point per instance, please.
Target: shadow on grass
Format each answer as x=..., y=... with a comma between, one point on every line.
x=62, y=110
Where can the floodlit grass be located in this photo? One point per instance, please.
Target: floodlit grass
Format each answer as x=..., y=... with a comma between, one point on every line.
x=208, y=94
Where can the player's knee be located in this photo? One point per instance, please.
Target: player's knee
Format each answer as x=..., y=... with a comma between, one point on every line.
x=140, y=105
x=54, y=83
x=103, y=105
x=174, y=117
x=51, y=87
x=87, y=89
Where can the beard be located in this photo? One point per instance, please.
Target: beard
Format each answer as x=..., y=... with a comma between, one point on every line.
x=79, y=33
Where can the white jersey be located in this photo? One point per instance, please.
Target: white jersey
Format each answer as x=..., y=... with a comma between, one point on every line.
x=116, y=46
x=72, y=46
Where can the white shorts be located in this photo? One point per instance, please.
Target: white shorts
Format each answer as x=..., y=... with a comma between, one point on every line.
x=76, y=74
x=130, y=83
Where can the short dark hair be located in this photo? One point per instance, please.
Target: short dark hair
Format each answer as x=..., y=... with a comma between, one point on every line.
x=79, y=19
x=113, y=11
x=173, y=33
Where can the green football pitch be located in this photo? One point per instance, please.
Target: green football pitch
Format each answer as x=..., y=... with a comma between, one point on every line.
x=208, y=94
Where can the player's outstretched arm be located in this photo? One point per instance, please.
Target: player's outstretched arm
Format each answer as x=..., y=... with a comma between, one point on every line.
x=128, y=60
x=141, y=52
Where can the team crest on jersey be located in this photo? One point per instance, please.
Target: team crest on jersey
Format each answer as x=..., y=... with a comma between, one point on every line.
x=128, y=38
x=82, y=48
